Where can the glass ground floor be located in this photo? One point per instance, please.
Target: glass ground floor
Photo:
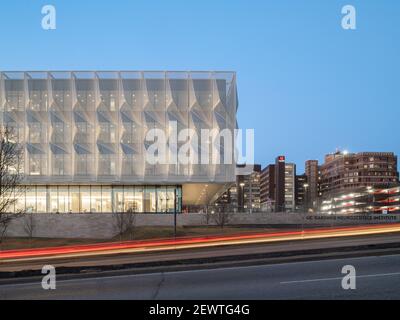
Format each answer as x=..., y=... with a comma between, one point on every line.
x=98, y=198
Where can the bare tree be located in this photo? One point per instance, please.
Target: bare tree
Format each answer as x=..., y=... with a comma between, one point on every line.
x=125, y=222
x=222, y=218
x=11, y=159
x=207, y=216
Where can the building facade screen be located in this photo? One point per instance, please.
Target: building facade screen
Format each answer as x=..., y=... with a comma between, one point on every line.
x=90, y=129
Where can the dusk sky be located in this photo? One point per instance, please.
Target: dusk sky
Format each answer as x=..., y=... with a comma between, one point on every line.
x=305, y=85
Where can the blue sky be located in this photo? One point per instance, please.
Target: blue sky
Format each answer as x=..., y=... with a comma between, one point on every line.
x=305, y=85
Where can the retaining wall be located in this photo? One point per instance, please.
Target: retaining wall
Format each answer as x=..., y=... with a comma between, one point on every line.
x=102, y=226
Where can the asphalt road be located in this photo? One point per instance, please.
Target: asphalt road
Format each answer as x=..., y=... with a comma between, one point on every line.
x=378, y=277
x=199, y=253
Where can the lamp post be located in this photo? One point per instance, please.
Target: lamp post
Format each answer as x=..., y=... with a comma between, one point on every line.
x=306, y=196
x=206, y=196
x=242, y=193
x=304, y=206
x=251, y=194
x=175, y=212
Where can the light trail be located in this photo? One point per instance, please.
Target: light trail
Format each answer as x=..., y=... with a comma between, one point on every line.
x=188, y=242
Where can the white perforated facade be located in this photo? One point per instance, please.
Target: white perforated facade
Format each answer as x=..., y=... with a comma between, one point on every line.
x=88, y=129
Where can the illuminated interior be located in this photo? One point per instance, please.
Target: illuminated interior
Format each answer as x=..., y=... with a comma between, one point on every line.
x=95, y=199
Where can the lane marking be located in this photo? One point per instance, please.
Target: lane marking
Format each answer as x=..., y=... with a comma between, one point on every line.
x=152, y=274
x=340, y=278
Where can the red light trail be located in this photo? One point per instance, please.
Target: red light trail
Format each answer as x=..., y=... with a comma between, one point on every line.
x=142, y=246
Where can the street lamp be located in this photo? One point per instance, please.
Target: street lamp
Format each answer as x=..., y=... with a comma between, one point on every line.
x=175, y=205
x=242, y=193
x=306, y=185
x=205, y=190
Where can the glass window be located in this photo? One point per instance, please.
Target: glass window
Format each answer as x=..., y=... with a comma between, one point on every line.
x=85, y=199
x=162, y=199
x=53, y=199
x=138, y=202
x=106, y=199
x=58, y=132
x=170, y=199
x=82, y=164
x=106, y=164
x=35, y=165
x=150, y=199
x=30, y=199
x=63, y=199
x=95, y=199
x=20, y=203
x=58, y=164
x=129, y=199
x=41, y=196
x=118, y=199
x=35, y=132
x=74, y=194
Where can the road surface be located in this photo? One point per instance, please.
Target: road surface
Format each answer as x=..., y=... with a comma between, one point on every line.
x=378, y=277
x=239, y=251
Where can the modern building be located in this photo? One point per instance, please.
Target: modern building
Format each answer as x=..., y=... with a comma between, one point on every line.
x=277, y=186
x=85, y=137
x=279, y=196
x=267, y=188
x=343, y=171
x=364, y=200
x=312, y=173
x=290, y=183
x=301, y=192
x=244, y=194
x=248, y=187
x=228, y=201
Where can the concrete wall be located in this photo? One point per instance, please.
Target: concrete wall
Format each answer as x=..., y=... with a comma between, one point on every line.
x=102, y=226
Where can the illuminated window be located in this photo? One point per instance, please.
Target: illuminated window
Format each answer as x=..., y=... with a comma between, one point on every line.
x=85, y=198
x=118, y=199
x=41, y=198
x=63, y=199
x=53, y=192
x=95, y=202
x=106, y=204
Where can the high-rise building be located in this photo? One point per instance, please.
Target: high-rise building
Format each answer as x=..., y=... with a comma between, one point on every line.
x=301, y=188
x=267, y=188
x=290, y=183
x=278, y=186
x=313, y=181
x=343, y=171
x=244, y=195
x=85, y=137
x=279, y=196
x=248, y=187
